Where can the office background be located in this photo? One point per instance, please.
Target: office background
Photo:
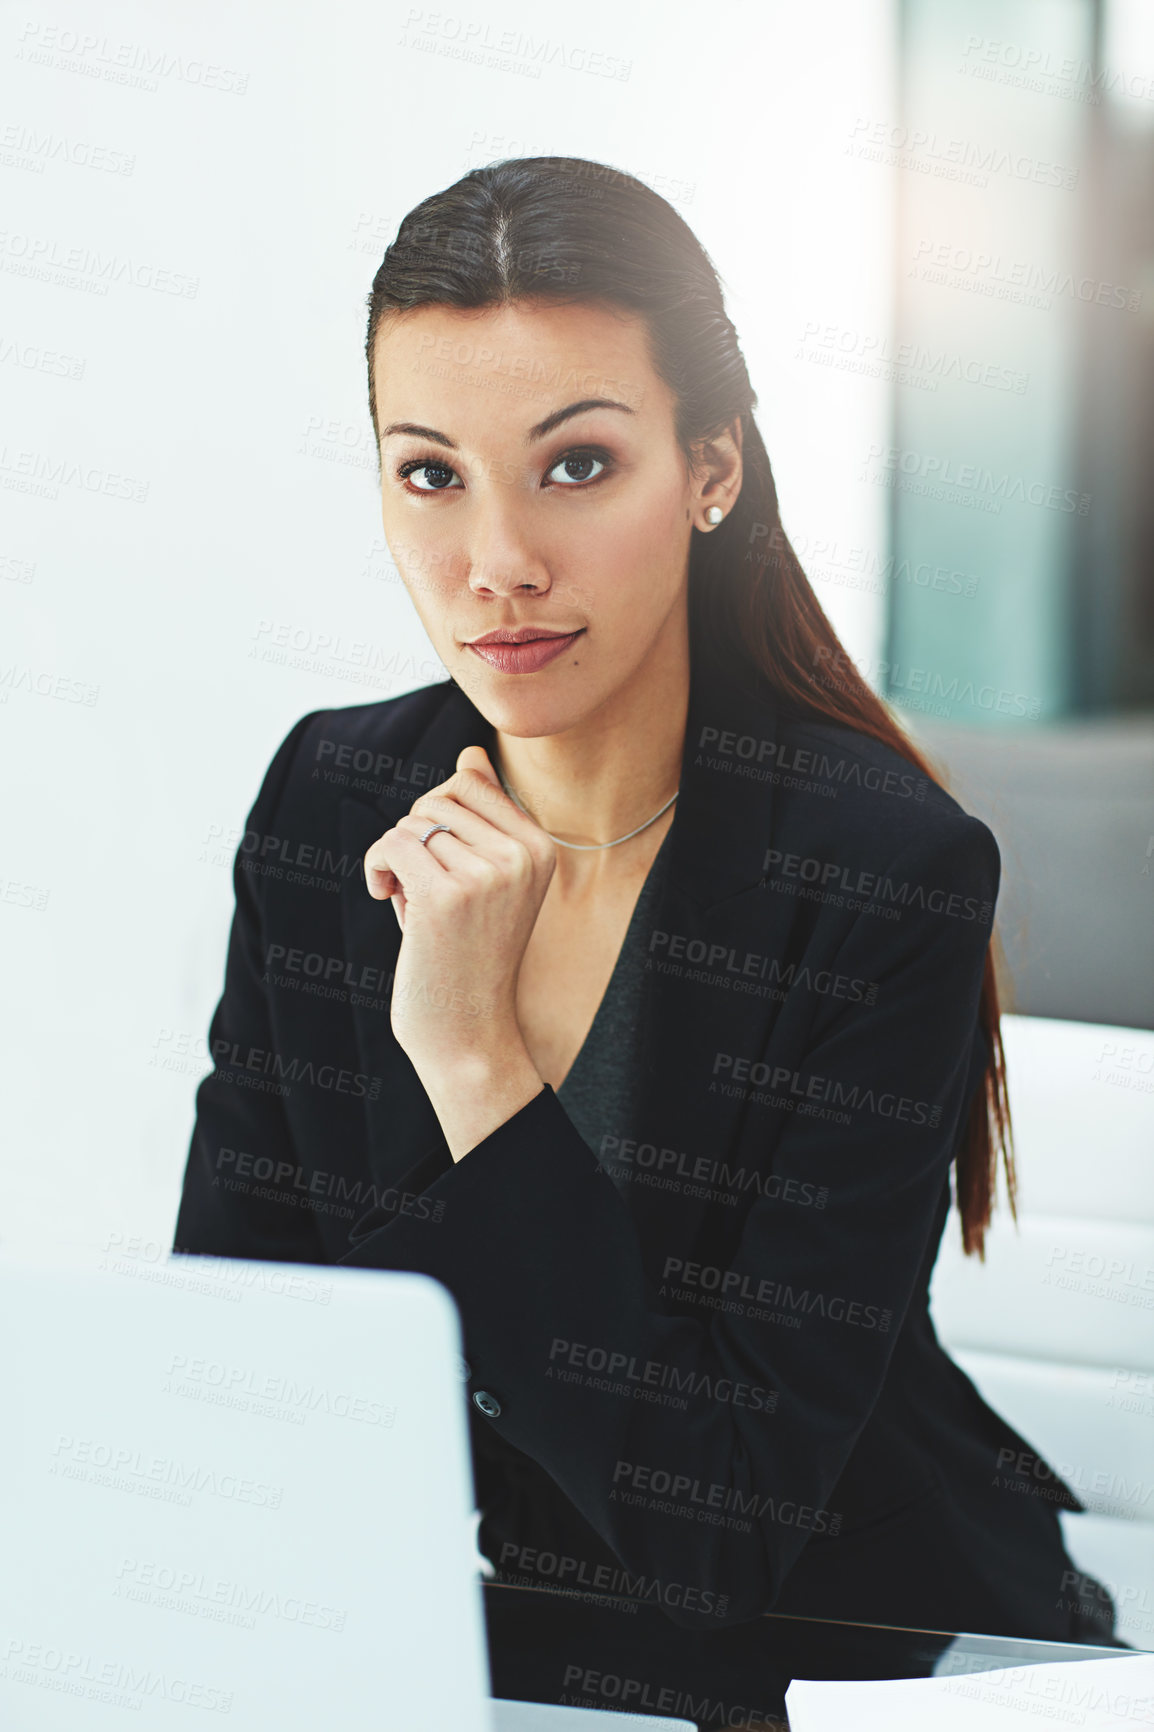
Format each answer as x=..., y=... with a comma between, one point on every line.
x=933, y=220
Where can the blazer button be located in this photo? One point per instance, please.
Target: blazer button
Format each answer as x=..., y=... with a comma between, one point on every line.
x=488, y=1404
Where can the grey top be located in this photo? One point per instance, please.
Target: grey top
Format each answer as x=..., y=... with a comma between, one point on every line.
x=596, y=1092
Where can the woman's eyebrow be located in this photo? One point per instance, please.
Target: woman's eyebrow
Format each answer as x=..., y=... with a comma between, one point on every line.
x=537, y=432
x=559, y=415
x=418, y=433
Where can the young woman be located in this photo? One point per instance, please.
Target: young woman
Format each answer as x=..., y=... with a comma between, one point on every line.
x=684, y=1010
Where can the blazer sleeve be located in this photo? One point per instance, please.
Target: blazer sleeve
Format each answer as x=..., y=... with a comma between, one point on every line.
x=539, y=1250
x=235, y=1108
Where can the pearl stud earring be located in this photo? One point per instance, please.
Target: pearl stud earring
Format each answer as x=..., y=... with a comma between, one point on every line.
x=714, y=515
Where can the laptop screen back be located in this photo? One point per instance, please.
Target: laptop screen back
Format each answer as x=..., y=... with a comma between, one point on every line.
x=234, y=1492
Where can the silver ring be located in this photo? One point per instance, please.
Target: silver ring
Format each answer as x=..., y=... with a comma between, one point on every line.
x=432, y=831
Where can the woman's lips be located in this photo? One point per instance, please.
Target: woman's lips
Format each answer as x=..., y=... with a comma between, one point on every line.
x=524, y=658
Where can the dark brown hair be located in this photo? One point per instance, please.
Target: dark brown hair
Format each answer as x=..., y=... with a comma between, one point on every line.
x=566, y=229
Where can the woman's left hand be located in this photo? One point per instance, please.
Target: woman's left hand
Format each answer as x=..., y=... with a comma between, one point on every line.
x=466, y=903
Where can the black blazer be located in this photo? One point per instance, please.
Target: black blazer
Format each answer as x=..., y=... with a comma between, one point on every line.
x=722, y=1393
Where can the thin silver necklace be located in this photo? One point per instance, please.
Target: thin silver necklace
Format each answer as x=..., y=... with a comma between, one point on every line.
x=591, y=847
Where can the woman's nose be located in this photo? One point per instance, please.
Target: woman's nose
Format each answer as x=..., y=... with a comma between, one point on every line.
x=501, y=557
x=505, y=577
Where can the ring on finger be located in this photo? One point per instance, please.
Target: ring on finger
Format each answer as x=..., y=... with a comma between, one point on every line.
x=432, y=831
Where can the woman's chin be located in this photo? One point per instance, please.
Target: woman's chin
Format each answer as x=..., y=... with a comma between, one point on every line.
x=524, y=714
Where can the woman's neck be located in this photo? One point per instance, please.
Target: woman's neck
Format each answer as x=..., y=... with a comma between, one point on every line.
x=608, y=775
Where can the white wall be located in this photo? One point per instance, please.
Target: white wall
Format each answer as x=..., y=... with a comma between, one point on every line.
x=194, y=201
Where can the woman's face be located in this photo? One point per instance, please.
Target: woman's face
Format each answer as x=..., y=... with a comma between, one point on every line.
x=531, y=478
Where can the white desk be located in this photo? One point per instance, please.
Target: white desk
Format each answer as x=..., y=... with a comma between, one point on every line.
x=537, y=1717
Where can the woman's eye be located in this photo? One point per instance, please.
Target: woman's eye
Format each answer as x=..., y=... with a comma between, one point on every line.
x=579, y=466
x=430, y=475
x=439, y=476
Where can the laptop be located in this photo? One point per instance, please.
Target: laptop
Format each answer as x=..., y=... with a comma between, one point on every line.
x=244, y=1488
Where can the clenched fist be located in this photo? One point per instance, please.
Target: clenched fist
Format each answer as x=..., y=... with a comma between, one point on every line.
x=467, y=901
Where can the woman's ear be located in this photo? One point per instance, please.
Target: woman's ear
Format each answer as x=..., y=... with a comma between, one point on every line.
x=718, y=469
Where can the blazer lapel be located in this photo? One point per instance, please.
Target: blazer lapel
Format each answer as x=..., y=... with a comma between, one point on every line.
x=710, y=908
x=713, y=926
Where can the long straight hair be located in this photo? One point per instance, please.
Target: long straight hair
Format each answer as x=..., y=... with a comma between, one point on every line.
x=566, y=229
